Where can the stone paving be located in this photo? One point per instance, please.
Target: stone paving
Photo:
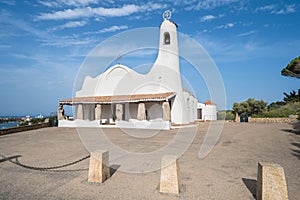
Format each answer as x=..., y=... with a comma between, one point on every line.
x=228, y=172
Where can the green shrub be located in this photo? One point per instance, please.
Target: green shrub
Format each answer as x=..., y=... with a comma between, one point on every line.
x=284, y=111
x=23, y=123
x=225, y=115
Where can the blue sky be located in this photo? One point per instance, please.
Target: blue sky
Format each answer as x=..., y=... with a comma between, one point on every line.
x=43, y=43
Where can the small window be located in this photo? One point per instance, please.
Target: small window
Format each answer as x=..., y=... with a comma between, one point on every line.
x=167, y=39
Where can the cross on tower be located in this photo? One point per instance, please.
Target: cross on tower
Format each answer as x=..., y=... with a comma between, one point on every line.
x=167, y=15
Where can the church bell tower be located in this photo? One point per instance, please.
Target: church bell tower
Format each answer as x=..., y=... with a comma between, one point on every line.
x=166, y=68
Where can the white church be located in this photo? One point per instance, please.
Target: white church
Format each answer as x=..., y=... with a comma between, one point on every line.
x=122, y=97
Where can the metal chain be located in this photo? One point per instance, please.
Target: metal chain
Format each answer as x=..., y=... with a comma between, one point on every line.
x=17, y=162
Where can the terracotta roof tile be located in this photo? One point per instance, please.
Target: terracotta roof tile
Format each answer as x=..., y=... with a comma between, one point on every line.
x=120, y=98
x=209, y=102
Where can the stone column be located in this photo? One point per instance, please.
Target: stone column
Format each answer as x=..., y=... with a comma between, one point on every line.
x=119, y=111
x=98, y=112
x=170, y=181
x=99, y=169
x=60, y=112
x=141, y=115
x=79, y=114
x=166, y=111
x=271, y=183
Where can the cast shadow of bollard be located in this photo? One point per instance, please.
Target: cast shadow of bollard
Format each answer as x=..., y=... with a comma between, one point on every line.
x=296, y=152
x=113, y=169
x=251, y=185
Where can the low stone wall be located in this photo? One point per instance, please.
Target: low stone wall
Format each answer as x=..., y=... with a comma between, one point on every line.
x=271, y=120
x=24, y=128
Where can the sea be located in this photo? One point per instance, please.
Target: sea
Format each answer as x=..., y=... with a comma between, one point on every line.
x=8, y=125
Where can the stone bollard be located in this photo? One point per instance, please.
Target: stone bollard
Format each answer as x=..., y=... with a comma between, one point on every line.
x=170, y=178
x=271, y=183
x=99, y=167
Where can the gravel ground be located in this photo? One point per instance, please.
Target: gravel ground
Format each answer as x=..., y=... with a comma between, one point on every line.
x=228, y=172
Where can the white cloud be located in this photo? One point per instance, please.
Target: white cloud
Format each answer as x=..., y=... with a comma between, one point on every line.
x=67, y=14
x=8, y=2
x=44, y=37
x=112, y=29
x=207, y=4
x=68, y=41
x=278, y=9
x=287, y=9
x=266, y=8
x=125, y=10
x=7, y=18
x=72, y=24
x=225, y=26
x=207, y=18
x=61, y=3
x=49, y=3
x=246, y=33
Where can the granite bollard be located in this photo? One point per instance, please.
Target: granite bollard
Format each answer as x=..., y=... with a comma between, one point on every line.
x=170, y=176
x=271, y=183
x=99, y=167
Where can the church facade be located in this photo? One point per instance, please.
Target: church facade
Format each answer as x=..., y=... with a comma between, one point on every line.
x=125, y=98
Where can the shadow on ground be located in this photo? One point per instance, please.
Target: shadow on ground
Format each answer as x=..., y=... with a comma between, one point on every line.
x=296, y=144
x=295, y=129
x=113, y=168
x=296, y=151
x=251, y=185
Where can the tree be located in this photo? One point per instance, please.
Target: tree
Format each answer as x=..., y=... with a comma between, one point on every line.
x=276, y=105
x=292, y=97
x=250, y=107
x=292, y=69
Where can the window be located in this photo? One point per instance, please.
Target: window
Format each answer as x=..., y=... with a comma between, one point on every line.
x=167, y=39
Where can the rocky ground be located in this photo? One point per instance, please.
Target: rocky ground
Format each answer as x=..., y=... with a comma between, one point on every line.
x=228, y=172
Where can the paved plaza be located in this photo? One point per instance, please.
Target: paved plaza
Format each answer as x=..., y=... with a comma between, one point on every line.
x=228, y=172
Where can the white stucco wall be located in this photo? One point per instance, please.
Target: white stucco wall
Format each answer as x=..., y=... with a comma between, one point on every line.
x=195, y=106
x=209, y=112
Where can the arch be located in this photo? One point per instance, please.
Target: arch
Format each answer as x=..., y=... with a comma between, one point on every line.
x=167, y=38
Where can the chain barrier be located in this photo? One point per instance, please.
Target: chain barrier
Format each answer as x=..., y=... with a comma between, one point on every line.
x=15, y=161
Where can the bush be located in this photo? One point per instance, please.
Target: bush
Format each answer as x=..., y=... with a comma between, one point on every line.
x=284, y=111
x=32, y=121
x=53, y=120
x=225, y=115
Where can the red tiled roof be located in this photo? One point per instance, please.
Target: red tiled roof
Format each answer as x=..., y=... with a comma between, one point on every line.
x=120, y=98
x=209, y=102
